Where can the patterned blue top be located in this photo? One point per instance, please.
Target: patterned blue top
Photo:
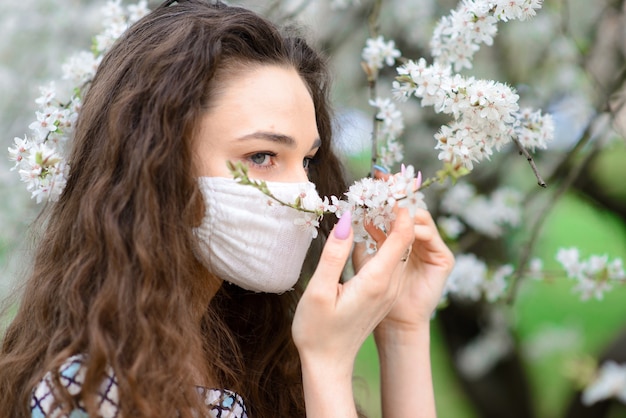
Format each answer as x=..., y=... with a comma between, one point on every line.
x=222, y=403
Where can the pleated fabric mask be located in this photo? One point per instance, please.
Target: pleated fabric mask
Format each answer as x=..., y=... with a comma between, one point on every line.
x=250, y=240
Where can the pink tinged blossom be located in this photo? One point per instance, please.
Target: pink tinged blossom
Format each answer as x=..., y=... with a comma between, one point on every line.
x=48, y=93
x=309, y=223
x=21, y=150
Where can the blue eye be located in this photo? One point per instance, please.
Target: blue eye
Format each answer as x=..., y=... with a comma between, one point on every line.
x=262, y=159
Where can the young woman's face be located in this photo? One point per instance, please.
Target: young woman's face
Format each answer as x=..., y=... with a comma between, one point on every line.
x=264, y=118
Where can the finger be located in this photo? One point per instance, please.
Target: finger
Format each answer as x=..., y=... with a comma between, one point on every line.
x=334, y=256
x=394, y=246
x=376, y=233
x=432, y=248
x=425, y=228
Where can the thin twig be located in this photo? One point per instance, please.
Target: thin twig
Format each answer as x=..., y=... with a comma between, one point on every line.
x=523, y=151
x=372, y=76
x=540, y=220
x=373, y=17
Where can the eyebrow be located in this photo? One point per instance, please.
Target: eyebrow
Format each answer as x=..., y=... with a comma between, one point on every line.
x=279, y=138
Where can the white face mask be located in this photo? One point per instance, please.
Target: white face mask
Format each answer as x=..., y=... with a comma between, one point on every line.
x=247, y=239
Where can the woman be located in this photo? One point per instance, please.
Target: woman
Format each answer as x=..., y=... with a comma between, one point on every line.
x=160, y=288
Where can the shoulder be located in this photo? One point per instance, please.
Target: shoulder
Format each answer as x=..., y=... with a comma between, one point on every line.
x=223, y=403
x=45, y=401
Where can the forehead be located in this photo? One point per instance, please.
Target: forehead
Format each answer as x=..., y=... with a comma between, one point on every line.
x=262, y=98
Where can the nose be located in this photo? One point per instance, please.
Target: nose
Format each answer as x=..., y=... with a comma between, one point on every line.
x=296, y=174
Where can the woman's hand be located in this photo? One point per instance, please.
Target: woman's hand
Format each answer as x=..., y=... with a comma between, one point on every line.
x=333, y=319
x=424, y=273
x=403, y=336
x=422, y=276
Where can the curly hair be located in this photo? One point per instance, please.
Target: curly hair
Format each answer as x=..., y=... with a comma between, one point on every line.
x=114, y=275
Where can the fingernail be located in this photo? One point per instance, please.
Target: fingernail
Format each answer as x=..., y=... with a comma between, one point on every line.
x=418, y=180
x=402, y=169
x=342, y=229
x=381, y=169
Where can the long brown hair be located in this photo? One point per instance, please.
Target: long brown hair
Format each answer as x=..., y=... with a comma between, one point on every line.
x=114, y=276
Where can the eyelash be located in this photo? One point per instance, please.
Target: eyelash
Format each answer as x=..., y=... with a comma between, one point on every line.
x=308, y=161
x=261, y=166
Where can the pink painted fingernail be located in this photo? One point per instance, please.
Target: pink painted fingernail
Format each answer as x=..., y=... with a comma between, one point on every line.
x=418, y=180
x=402, y=169
x=342, y=229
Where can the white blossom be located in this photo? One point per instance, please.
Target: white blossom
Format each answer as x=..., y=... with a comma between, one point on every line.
x=535, y=268
x=450, y=226
x=377, y=53
x=472, y=280
x=309, y=222
x=609, y=383
x=466, y=279
x=485, y=113
x=594, y=276
x=81, y=67
x=569, y=259
x=371, y=201
x=485, y=214
x=137, y=11
x=458, y=36
x=48, y=93
x=495, y=287
x=391, y=127
x=40, y=156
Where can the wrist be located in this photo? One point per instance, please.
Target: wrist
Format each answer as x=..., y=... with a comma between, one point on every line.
x=391, y=334
x=326, y=368
x=328, y=388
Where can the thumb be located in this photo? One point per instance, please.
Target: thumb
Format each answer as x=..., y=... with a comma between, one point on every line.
x=334, y=255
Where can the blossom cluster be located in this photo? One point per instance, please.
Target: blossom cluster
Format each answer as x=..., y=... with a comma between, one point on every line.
x=391, y=126
x=371, y=202
x=486, y=115
x=472, y=280
x=40, y=156
x=487, y=215
x=458, y=36
x=594, y=275
x=378, y=52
